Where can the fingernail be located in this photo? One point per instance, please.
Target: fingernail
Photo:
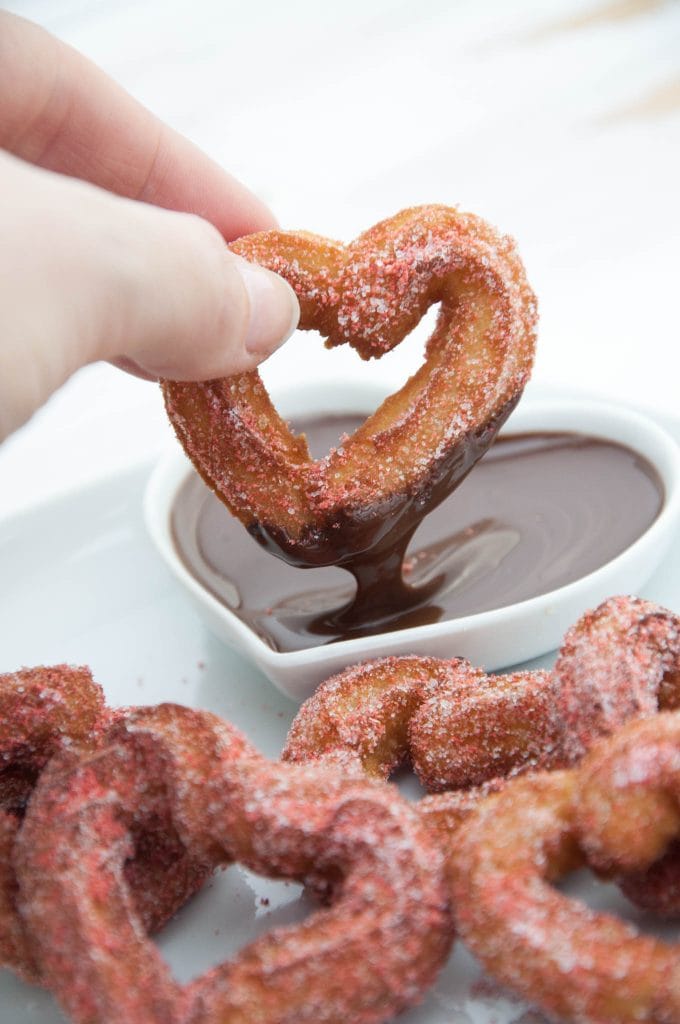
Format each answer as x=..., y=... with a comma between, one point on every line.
x=274, y=309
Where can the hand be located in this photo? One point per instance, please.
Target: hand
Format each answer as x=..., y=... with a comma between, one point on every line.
x=89, y=269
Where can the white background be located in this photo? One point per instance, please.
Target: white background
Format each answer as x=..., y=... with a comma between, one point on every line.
x=559, y=122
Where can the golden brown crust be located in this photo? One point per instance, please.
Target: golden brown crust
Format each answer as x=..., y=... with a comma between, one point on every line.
x=51, y=717
x=370, y=294
x=466, y=731
x=42, y=711
x=629, y=816
x=370, y=954
x=617, y=811
x=459, y=727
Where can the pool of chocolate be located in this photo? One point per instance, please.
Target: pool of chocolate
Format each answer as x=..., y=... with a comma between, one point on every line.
x=537, y=512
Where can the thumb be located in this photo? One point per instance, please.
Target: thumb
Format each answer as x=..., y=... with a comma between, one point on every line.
x=87, y=275
x=188, y=308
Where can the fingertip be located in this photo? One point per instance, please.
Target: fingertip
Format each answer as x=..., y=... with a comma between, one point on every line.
x=273, y=309
x=200, y=311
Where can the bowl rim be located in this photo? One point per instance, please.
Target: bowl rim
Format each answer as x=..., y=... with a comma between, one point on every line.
x=590, y=415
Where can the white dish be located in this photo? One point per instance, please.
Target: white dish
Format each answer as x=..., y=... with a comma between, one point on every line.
x=82, y=583
x=494, y=639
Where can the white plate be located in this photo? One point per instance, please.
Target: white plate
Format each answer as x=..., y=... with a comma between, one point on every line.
x=82, y=583
x=496, y=638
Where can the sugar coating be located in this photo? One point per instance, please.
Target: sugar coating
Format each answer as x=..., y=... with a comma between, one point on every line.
x=42, y=711
x=629, y=816
x=370, y=295
x=49, y=718
x=621, y=661
x=370, y=953
x=462, y=729
x=616, y=810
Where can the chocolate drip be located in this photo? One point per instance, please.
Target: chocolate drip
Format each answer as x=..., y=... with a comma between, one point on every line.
x=365, y=539
x=540, y=511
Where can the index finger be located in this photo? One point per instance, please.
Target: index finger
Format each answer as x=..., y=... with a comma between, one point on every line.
x=60, y=111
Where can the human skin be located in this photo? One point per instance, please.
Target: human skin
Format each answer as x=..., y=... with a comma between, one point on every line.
x=114, y=230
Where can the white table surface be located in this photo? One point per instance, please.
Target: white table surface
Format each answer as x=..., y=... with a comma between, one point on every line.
x=560, y=122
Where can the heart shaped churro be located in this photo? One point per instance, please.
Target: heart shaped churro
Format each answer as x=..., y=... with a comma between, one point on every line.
x=465, y=731
x=371, y=953
x=370, y=492
x=617, y=812
x=58, y=714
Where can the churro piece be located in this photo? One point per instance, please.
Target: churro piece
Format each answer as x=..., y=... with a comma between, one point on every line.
x=617, y=811
x=371, y=490
x=371, y=953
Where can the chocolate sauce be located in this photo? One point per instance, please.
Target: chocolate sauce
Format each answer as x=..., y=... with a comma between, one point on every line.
x=539, y=511
x=371, y=544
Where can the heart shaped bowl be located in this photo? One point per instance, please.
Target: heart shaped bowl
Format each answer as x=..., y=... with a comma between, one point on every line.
x=492, y=639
